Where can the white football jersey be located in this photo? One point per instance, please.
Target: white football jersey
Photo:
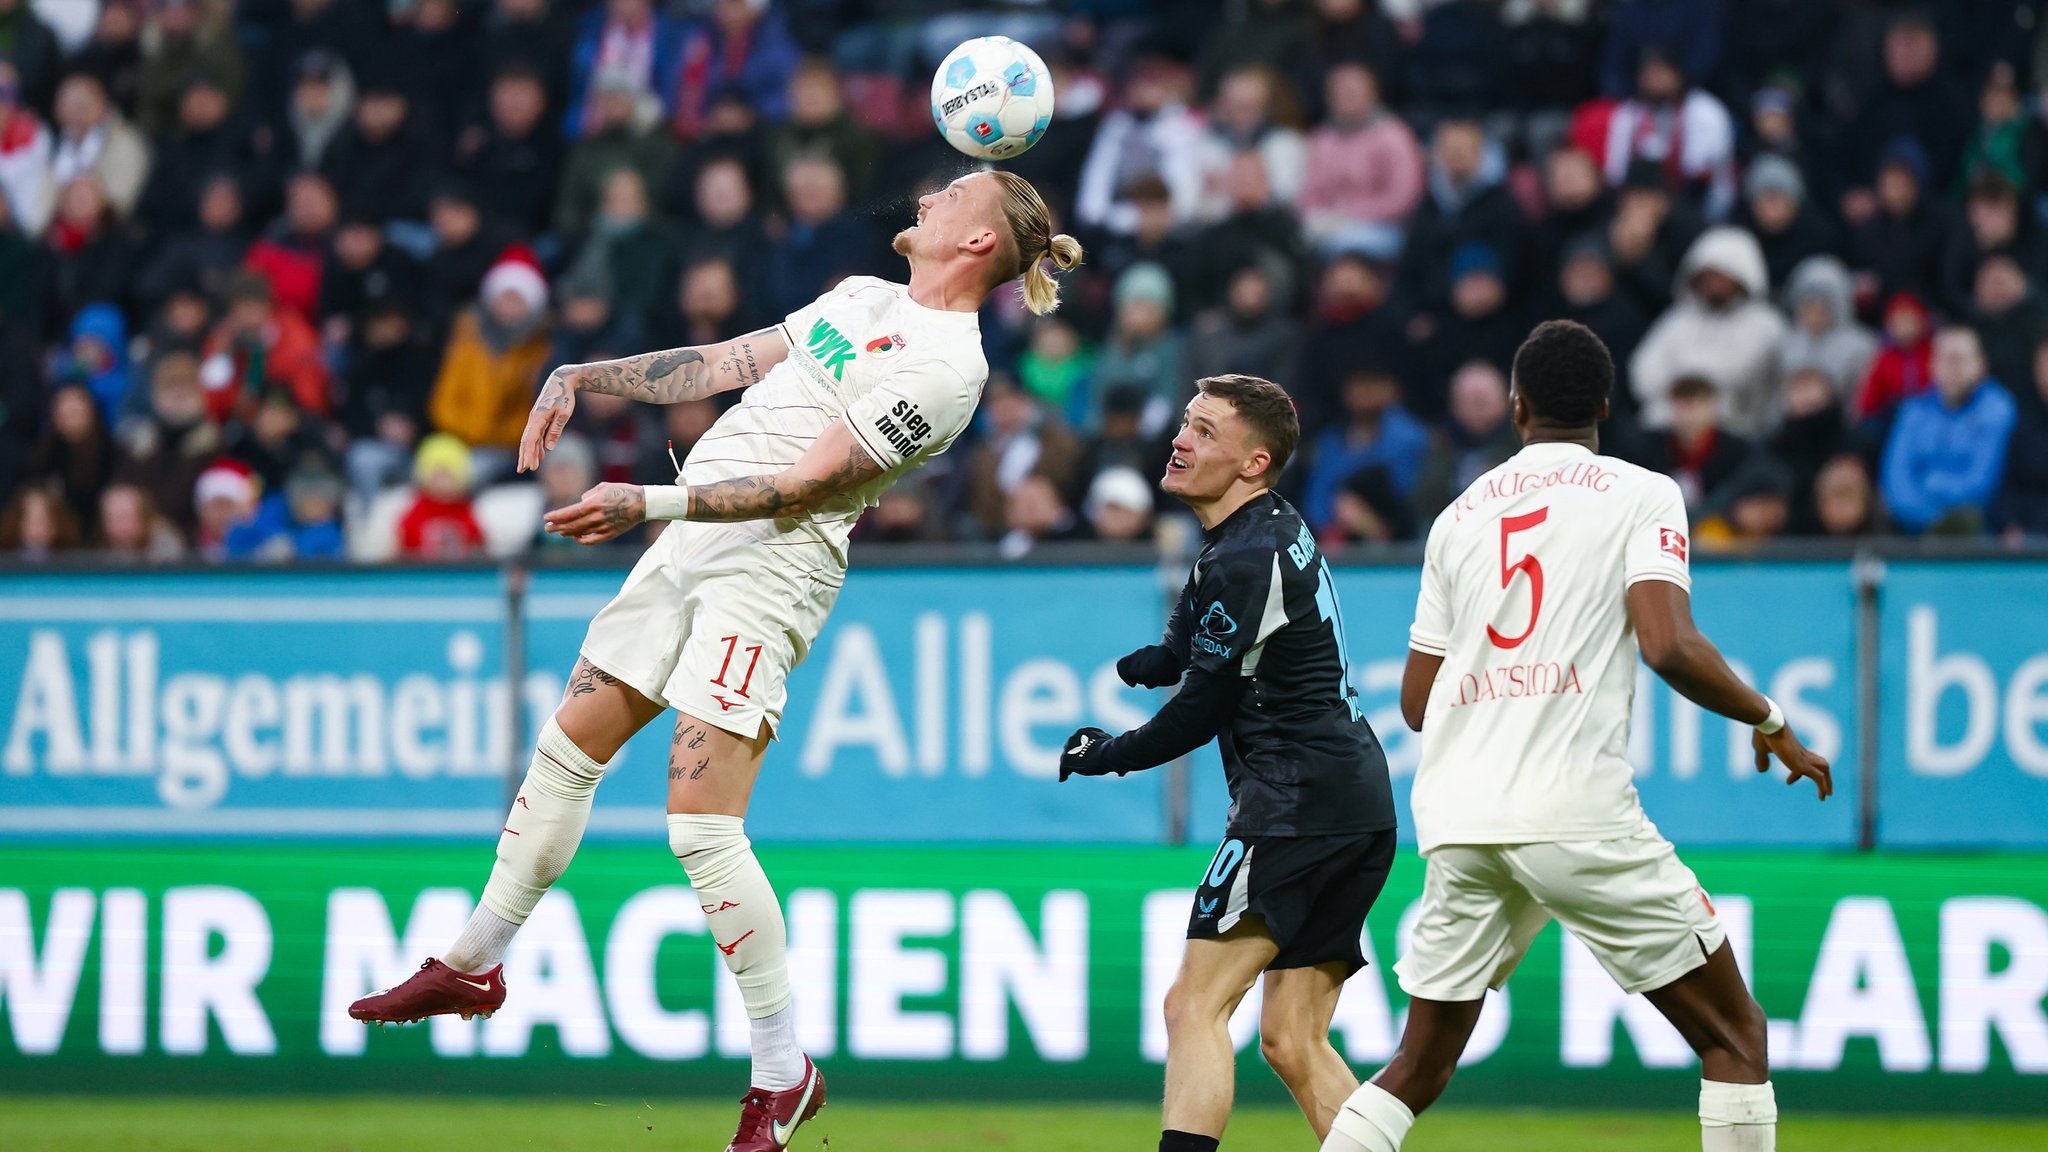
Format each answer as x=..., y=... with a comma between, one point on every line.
x=1524, y=585
x=904, y=377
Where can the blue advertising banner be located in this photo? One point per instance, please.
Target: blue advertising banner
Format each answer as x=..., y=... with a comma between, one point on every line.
x=1964, y=689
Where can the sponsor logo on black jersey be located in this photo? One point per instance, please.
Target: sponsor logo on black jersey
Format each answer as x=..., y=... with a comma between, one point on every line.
x=1215, y=624
x=904, y=428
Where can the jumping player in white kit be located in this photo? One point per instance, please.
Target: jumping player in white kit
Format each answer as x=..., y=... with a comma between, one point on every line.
x=1539, y=584
x=867, y=382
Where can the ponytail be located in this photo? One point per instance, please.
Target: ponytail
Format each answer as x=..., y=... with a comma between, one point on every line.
x=1041, y=291
x=1033, y=244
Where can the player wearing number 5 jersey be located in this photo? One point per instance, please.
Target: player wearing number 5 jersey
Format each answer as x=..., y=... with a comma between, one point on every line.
x=1256, y=643
x=1539, y=585
x=847, y=394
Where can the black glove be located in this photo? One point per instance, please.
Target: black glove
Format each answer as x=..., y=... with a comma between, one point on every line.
x=1154, y=666
x=1083, y=754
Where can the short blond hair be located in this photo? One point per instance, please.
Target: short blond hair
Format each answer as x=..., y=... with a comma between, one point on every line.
x=1032, y=243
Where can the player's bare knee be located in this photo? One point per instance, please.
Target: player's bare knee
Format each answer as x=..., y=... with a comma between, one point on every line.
x=1289, y=1053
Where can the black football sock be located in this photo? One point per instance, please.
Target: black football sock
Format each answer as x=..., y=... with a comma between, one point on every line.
x=1171, y=1141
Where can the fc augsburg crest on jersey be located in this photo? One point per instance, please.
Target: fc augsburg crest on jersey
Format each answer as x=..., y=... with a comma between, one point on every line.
x=883, y=347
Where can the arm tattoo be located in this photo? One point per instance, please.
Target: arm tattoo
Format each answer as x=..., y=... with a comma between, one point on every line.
x=622, y=509
x=674, y=374
x=777, y=496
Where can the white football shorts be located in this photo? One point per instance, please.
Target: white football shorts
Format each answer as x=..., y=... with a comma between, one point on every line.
x=1631, y=901
x=711, y=621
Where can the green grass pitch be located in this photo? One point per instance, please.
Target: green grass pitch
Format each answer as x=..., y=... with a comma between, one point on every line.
x=403, y=1124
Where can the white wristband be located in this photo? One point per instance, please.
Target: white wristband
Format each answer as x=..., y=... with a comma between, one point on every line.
x=1773, y=721
x=667, y=501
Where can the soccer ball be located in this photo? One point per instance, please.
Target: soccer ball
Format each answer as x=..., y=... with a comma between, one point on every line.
x=992, y=98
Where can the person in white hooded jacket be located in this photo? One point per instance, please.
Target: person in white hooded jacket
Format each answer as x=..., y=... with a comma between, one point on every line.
x=1824, y=334
x=1721, y=327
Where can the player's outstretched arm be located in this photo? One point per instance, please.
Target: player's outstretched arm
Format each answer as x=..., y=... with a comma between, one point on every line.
x=669, y=376
x=834, y=465
x=1677, y=651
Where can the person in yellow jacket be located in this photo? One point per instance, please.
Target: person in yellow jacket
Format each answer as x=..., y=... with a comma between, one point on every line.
x=497, y=353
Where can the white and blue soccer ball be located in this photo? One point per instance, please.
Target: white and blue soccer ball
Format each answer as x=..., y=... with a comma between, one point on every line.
x=992, y=98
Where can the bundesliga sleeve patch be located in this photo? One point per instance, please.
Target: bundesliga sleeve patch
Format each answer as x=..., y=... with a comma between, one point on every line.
x=1671, y=540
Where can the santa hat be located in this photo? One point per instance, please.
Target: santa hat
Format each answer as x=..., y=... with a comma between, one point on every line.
x=230, y=479
x=518, y=271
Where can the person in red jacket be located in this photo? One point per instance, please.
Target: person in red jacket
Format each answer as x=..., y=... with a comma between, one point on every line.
x=257, y=346
x=441, y=524
x=1903, y=366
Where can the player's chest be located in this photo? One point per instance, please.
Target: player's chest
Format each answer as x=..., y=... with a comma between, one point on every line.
x=853, y=342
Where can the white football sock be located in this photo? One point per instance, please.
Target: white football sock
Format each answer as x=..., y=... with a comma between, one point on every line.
x=540, y=837
x=1372, y=1120
x=1738, y=1117
x=746, y=924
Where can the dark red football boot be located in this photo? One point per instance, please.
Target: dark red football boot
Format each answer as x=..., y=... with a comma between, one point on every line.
x=769, y=1119
x=434, y=990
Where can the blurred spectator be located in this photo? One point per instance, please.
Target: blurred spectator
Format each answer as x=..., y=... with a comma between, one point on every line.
x=297, y=520
x=1479, y=436
x=1775, y=128
x=1257, y=229
x=726, y=228
x=1024, y=440
x=1143, y=352
x=1057, y=368
x=1259, y=32
x=1694, y=448
x=165, y=449
x=75, y=456
x=91, y=255
x=2001, y=143
x=131, y=529
x=258, y=346
x=1902, y=239
x=1552, y=46
x=31, y=47
x=906, y=514
x=466, y=244
x=628, y=44
x=323, y=103
x=97, y=356
x=201, y=257
x=620, y=135
x=1460, y=57
x=184, y=39
x=113, y=52
x=26, y=147
x=225, y=498
x=514, y=159
x=618, y=431
x=362, y=270
x=206, y=138
x=440, y=524
x=682, y=426
x=2008, y=316
x=1649, y=236
x=706, y=309
x=272, y=436
x=1586, y=291
x=1152, y=134
x=824, y=242
x=1993, y=224
x=1377, y=432
x=1154, y=239
x=583, y=330
x=1576, y=204
x=1369, y=508
x=1775, y=209
x=745, y=48
x=1364, y=170
x=1723, y=329
x=93, y=136
x=1467, y=204
x=36, y=524
x=1947, y=449
x=1479, y=324
x=292, y=253
x=1034, y=512
x=1824, y=334
x=21, y=396
x=1252, y=114
x=2023, y=509
x=1347, y=31
x=1814, y=431
x=1691, y=28
x=493, y=365
x=383, y=163
x=390, y=376
x=1135, y=433
x=820, y=124
x=1353, y=327
x=350, y=31
x=1905, y=359
x=1679, y=127
x=434, y=47
x=1845, y=501
x=1757, y=506
x=1913, y=99
x=566, y=473
x=532, y=33
x=636, y=254
x=1252, y=333
x=1119, y=505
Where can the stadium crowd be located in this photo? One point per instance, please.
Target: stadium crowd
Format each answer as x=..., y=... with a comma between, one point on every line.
x=280, y=278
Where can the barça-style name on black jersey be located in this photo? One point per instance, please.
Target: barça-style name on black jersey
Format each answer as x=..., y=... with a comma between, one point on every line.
x=1259, y=632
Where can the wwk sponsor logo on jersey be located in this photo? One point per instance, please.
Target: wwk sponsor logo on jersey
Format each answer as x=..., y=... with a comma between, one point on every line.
x=829, y=348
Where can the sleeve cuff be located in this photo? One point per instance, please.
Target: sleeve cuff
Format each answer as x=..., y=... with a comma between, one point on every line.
x=1682, y=579
x=1428, y=646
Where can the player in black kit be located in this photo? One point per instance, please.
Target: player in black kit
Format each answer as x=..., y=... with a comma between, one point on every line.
x=1257, y=645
